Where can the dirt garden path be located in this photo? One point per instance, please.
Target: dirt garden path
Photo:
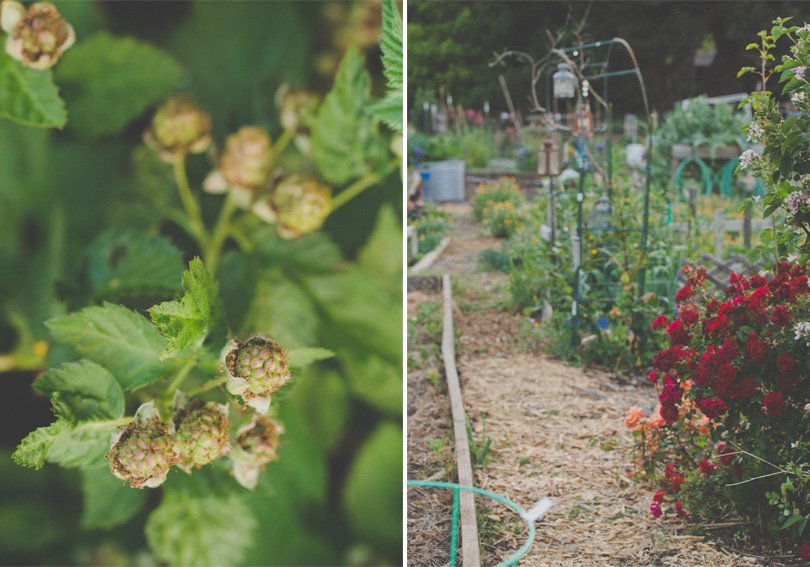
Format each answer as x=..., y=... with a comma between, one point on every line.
x=556, y=431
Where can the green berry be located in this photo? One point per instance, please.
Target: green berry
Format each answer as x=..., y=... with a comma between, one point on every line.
x=202, y=433
x=178, y=128
x=256, y=369
x=143, y=451
x=301, y=204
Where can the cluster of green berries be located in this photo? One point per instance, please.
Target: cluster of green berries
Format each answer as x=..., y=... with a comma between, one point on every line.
x=144, y=451
x=246, y=168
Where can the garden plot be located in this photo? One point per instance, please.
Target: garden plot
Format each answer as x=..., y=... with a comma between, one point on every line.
x=555, y=431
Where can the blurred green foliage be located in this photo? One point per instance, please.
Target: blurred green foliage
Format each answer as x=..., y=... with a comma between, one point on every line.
x=88, y=244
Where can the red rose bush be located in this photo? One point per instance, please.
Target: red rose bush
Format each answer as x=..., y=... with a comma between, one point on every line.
x=732, y=423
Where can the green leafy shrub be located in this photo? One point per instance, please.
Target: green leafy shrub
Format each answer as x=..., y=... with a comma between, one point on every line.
x=502, y=218
x=487, y=194
x=431, y=228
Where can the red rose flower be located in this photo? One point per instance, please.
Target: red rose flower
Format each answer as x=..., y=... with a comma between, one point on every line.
x=655, y=508
x=669, y=413
x=773, y=404
x=706, y=467
x=781, y=316
x=785, y=363
x=724, y=380
x=689, y=314
x=712, y=306
x=729, y=350
x=702, y=377
x=666, y=360
x=659, y=497
x=660, y=321
x=805, y=552
x=726, y=455
x=684, y=293
x=712, y=408
x=747, y=387
x=678, y=334
x=679, y=509
x=755, y=348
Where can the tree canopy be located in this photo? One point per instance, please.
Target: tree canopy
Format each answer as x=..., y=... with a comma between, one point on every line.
x=451, y=46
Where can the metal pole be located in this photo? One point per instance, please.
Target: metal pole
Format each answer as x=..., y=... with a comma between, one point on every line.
x=644, y=225
x=577, y=244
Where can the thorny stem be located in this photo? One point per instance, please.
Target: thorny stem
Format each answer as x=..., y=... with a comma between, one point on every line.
x=359, y=186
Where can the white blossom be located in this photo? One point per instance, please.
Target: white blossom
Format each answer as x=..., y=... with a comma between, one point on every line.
x=747, y=158
x=798, y=97
x=755, y=132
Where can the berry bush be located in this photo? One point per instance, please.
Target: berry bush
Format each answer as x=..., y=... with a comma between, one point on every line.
x=200, y=258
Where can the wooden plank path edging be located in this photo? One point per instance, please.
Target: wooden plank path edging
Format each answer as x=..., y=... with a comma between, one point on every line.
x=470, y=552
x=430, y=257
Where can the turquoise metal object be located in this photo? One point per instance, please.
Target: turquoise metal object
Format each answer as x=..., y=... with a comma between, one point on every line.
x=515, y=557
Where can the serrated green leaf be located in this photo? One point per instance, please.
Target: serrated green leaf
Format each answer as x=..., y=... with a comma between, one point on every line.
x=130, y=263
x=373, y=493
x=301, y=357
x=107, y=501
x=84, y=446
x=120, y=340
x=28, y=96
x=200, y=530
x=32, y=450
x=88, y=389
x=109, y=81
x=391, y=45
x=342, y=128
x=199, y=314
x=389, y=110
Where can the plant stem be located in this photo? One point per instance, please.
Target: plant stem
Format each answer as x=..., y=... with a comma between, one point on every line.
x=179, y=377
x=189, y=202
x=211, y=384
x=359, y=186
x=211, y=252
x=282, y=142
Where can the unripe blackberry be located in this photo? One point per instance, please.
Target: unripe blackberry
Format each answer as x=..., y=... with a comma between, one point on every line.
x=202, y=431
x=143, y=451
x=256, y=369
x=178, y=128
x=301, y=205
x=36, y=36
x=255, y=445
x=244, y=167
x=296, y=109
